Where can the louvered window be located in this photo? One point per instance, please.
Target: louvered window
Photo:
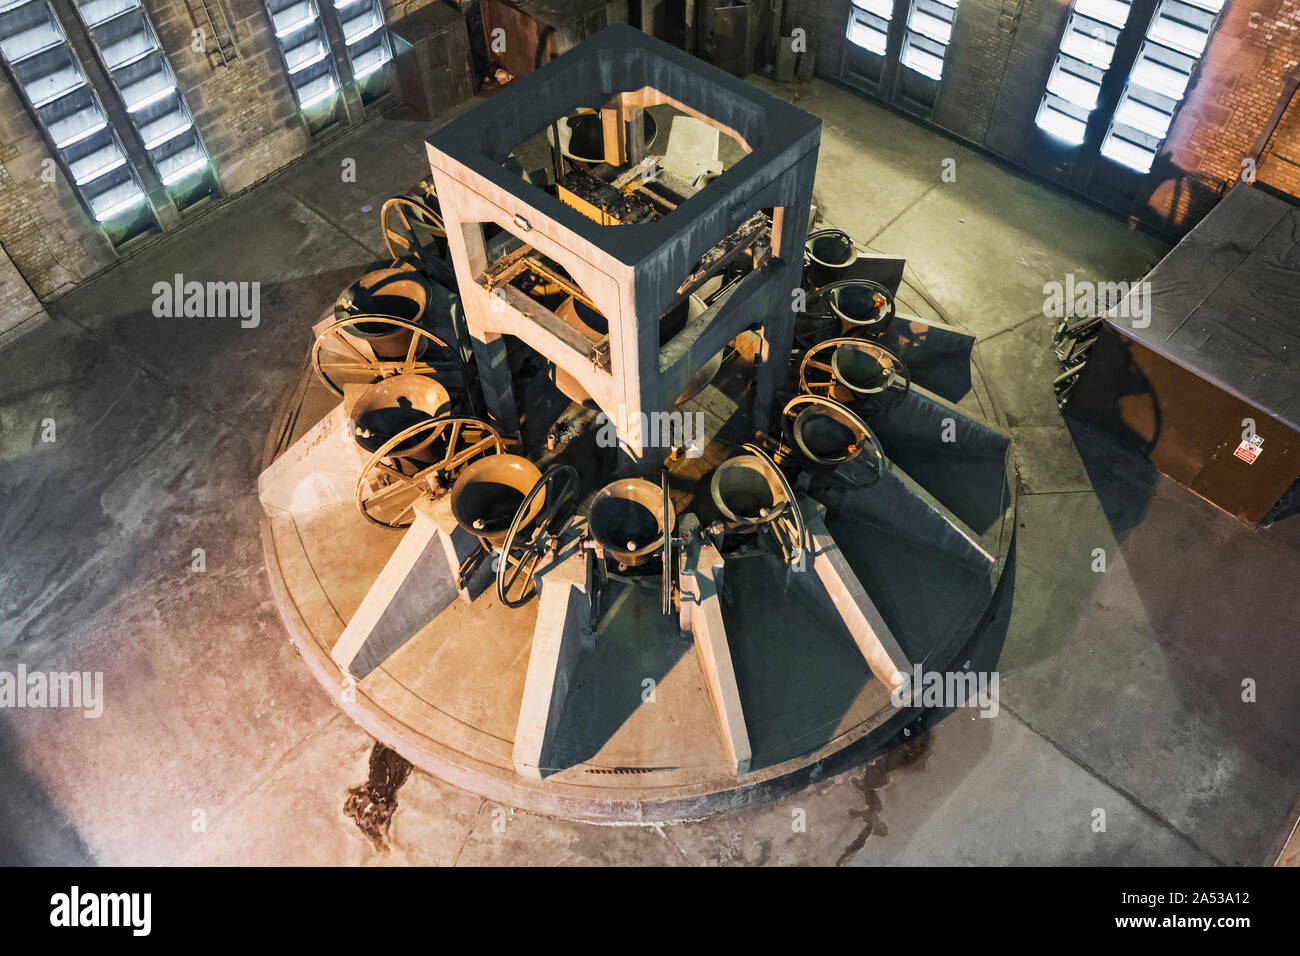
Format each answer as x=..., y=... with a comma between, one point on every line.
x=1175, y=41
x=929, y=31
x=869, y=24
x=55, y=87
x=302, y=40
x=362, y=25
x=1085, y=54
x=130, y=52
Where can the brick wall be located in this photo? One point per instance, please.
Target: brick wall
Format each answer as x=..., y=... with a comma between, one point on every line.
x=396, y=9
x=245, y=115
x=997, y=66
x=995, y=71
x=982, y=36
x=1002, y=53
x=825, y=22
x=1242, y=78
x=19, y=306
x=1279, y=165
x=43, y=228
x=245, y=112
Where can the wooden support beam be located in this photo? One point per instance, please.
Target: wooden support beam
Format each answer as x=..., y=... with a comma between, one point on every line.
x=612, y=119
x=644, y=170
x=560, y=334
x=506, y=268
x=649, y=96
x=753, y=236
x=495, y=380
x=778, y=226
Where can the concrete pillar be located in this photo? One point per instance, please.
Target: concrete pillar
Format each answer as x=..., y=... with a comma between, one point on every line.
x=469, y=253
x=494, y=376
x=419, y=581
x=561, y=631
x=632, y=274
x=789, y=230
x=702, y=617
x=832, y=572
x=319, y=469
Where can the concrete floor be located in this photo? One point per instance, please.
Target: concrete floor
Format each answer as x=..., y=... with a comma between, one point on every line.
x=1120, y=690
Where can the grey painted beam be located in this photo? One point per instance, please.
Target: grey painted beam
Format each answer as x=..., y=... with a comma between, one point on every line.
x=701, y=615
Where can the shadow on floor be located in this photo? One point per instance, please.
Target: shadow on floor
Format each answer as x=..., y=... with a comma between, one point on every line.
x=33, y=831
x=1218, y=595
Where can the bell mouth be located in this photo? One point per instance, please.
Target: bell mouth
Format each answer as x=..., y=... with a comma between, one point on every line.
x=860, y=306
x=745, y=493
x=488, y=493
x=386, y=292
x=402, y=299
x=587, y=136
x=396, y=293
x=395, y=404
x=824, y=438
x=832, y=250
x=858, y=370
x=589, y=317
x=626, y=518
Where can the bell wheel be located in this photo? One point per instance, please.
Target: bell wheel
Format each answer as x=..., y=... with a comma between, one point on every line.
x=856, y=372
x=390, y=484
x=342, y=353
x=548, y=504
x=410, y=227
x=786, y=511
x=863, y=437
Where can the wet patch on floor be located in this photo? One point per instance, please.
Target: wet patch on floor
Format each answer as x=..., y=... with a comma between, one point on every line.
x=911, y=753
x=372, y=804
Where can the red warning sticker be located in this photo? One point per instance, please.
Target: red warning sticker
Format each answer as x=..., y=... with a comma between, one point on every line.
x=1249, y=449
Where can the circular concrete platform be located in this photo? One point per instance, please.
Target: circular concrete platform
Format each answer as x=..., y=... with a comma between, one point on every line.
x=638, y=741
